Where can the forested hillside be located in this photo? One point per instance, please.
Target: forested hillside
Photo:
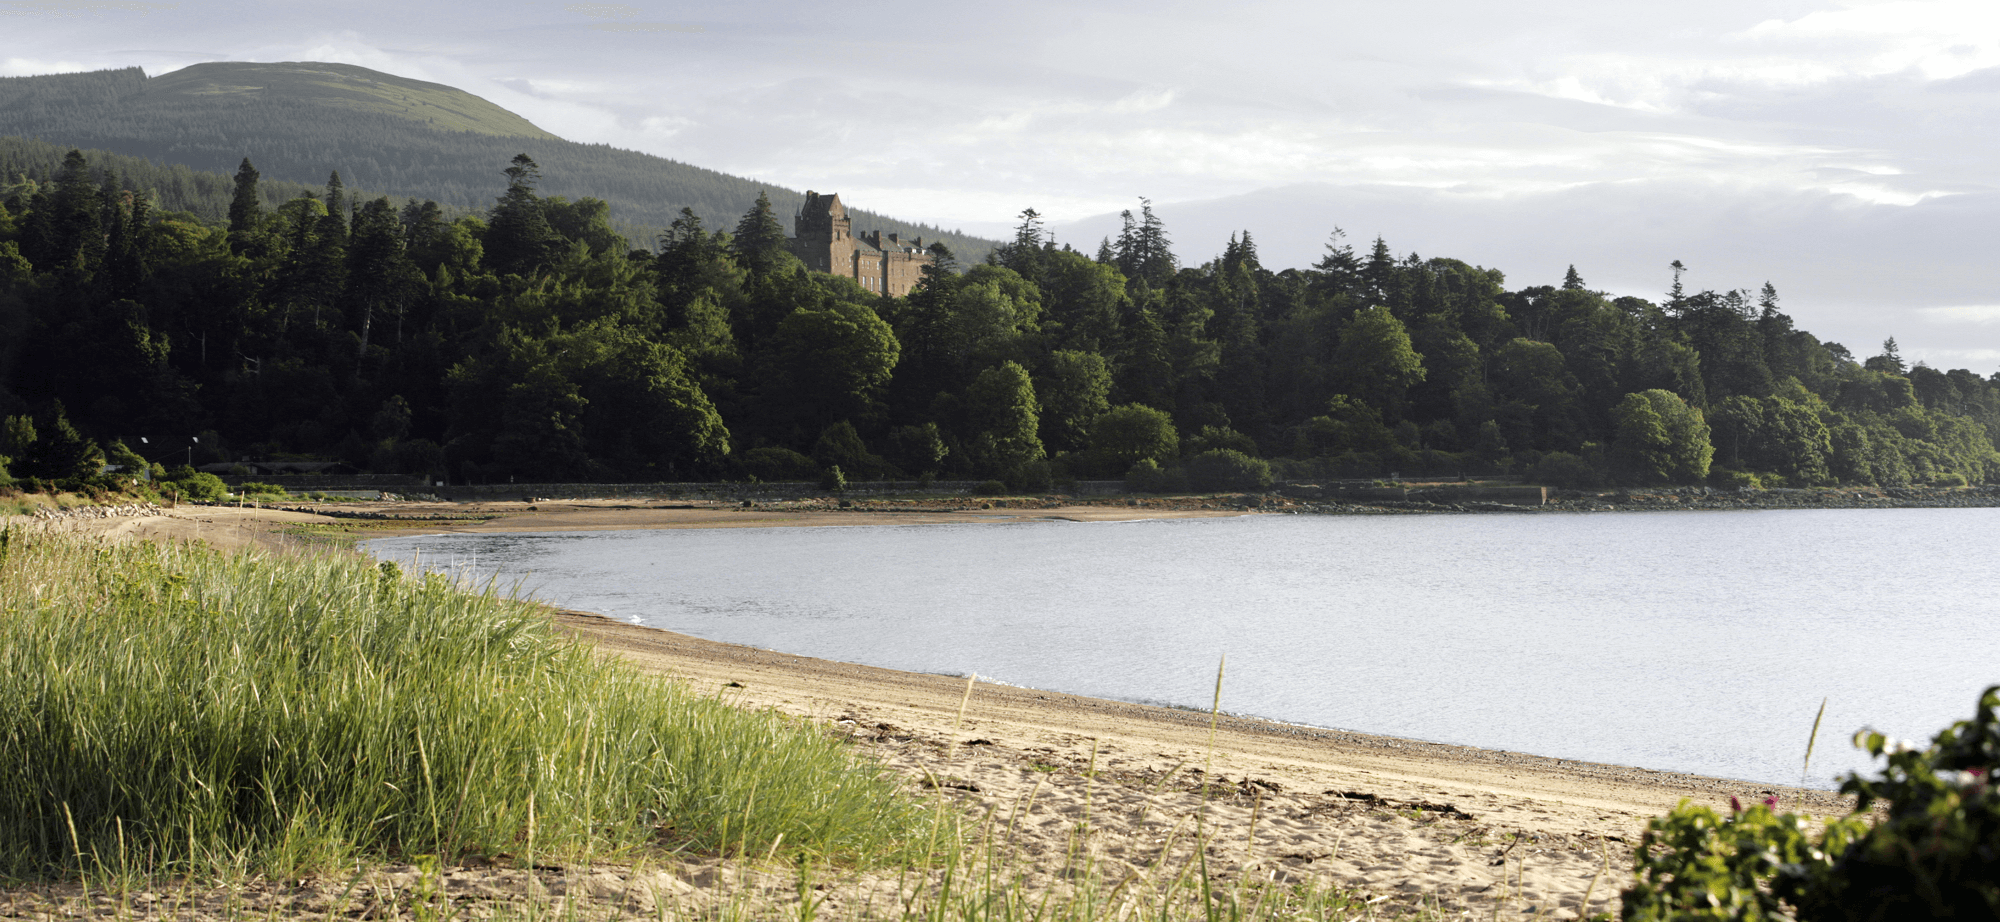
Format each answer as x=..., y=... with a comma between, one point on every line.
x=394, y=136
x=530, y=341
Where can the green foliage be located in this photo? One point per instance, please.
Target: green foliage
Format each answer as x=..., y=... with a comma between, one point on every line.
x=1001, y=417
x=918, y=450
x=1695, y=865
x=1376, y=357
x=833, y=480
x=534, y=346
x=1562, y=469
x=1128, y=434
x=169, y=710
x=57, y=451
x=776, y=464
x=1660, y=439
x=1931, y=857
x=841, y=447
x=1145, y=476
x=254, y=488
x=195, y=486
x=1227, y=469
x=1209, y=438
x=1073, y=388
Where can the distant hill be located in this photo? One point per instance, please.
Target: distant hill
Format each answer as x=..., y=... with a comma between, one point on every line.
x=389, y=135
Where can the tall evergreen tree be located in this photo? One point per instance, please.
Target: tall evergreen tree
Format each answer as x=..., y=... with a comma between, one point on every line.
x=519, y=239
x=1571, y=280
x=246, y=208
x=759, y=237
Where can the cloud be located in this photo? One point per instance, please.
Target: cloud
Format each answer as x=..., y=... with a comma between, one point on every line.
x=645, y=27
x=1968, y=313
x=26, y=67
x=603, y=10
x=77, y=8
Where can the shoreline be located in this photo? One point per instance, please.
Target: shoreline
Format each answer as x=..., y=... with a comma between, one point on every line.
x=1414, y=823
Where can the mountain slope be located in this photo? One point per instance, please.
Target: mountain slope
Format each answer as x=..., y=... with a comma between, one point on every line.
x=404, y=138
x=337, y=86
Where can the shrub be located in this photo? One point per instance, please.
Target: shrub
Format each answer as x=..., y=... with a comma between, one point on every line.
x=253, y=488
x=1032, y=477
x=990, y=488
x=1735, y=480
x=773, y=464
x=1562, y=469
x=1227, y=469
x=197, y=486
x=1945, y=479
x=833, y=480
x=1127, y=434
x=1932, y=857
x=1146, y=477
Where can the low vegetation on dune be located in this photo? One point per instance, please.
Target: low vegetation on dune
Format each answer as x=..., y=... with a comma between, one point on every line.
x=167, y=709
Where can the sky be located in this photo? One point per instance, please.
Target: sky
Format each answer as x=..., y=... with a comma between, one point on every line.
x=1842, y=150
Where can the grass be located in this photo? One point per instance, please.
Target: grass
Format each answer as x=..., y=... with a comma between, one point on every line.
x=169, y=713
x=166, y=709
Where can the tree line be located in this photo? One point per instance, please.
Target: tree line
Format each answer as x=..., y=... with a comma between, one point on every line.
x=532, y=341
x=301, y=142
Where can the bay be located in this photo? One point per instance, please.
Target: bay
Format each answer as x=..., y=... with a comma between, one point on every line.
x=1698, y=642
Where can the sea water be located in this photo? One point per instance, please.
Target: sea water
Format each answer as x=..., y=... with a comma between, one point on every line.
x=1699, y=642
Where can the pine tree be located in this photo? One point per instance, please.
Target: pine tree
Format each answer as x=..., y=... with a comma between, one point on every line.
x=1025, y=254
x=759, y=237
x=1379, y=272
x=1571, y=280
x=519, y=239
x=1340, y=269
x=246, y=209
x=334, y=225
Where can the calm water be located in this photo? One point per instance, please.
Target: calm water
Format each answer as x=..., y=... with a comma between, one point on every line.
x=1698, y=642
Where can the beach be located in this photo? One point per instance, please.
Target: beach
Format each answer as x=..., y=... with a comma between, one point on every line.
x=1132, y=789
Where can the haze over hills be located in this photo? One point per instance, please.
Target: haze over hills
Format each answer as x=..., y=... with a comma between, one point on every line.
x=300, y=121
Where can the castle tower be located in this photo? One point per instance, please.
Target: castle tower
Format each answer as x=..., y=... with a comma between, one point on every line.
x=823, y=238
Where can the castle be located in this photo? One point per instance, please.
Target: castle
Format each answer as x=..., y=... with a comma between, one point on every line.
x=823, y=238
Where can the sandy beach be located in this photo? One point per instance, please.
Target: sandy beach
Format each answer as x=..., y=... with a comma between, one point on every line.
x=1409, y=824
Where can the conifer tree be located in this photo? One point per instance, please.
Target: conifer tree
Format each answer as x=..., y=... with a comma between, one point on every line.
x=519, y=239
x=759, y=237
x=1571, y=280
x=246, y=209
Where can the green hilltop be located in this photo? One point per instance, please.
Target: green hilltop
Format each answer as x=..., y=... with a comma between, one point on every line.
x=389, y=135
x=338, y=86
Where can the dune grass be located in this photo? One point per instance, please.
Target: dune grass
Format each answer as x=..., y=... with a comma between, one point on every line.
x=166, y=709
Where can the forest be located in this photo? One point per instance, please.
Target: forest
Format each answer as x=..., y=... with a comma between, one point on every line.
x=298, y=130
x=531, y=341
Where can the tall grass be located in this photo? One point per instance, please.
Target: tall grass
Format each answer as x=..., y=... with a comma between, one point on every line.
x=165, y=708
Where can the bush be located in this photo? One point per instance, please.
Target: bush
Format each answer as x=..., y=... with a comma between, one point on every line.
x=1146, y=477
x=1734, y=480
x=197, y=486
x=1932, y=857
x=773, y=464
x=833, y=480
x=1227, y=469
x=1945, y=479
x=990, y=488
x=1032, y=477
x=1565, y=470
x=253, y=488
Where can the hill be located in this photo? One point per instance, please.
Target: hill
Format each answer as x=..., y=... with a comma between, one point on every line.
x=300, y=121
